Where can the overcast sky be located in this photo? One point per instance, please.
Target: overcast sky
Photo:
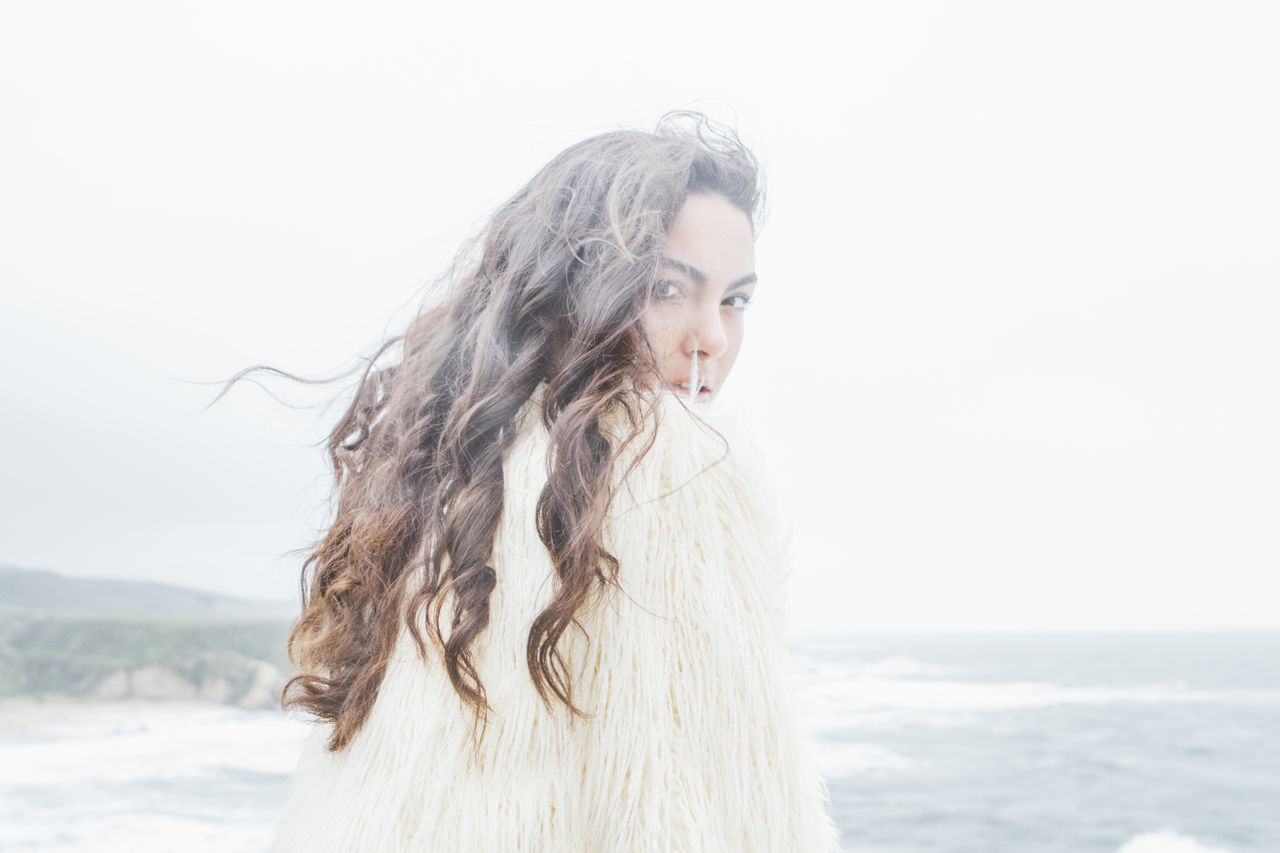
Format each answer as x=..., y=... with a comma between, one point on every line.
x=1014, y=354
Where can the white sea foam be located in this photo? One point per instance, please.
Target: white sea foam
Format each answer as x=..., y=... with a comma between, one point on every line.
x=847, y=759
x=809, y=668
x=899, y=666
x=137, y=833
x=129, y=778
x=1166, y=841
x=833, y=704
x=152, y=743
x=887, y=693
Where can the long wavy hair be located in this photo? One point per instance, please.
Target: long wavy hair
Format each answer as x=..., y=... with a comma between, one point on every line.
x=551, y=291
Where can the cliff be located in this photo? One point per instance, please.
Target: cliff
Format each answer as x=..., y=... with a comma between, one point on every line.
x=143, y=641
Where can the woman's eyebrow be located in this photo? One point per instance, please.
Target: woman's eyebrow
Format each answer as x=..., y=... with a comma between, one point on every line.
x=698, y=277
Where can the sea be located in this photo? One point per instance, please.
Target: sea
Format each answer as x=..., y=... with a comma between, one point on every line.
x=1028, y=743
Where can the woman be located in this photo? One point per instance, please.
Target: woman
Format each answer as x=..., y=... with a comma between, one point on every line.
x=547, y=614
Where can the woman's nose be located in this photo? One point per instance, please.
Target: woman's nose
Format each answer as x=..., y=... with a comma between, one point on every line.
x=706, y=333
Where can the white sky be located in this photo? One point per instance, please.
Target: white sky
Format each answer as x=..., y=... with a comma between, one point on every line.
x=1013, y=356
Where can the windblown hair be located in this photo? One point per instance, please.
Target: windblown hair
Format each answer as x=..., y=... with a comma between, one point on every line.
x=553, y=290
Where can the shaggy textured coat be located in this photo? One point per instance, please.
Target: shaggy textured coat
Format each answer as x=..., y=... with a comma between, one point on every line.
x=692, y=743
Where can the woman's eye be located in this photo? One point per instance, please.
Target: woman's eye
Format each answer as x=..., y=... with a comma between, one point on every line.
x=738, y=300
x=667, y=290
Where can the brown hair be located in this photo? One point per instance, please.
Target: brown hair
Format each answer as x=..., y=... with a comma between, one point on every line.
x=552, y=290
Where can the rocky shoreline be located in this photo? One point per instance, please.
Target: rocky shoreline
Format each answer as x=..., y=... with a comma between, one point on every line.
x=231, y=662
x=223, y=677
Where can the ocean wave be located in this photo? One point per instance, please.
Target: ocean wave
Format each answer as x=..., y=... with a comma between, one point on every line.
x=899, y=666
x=840, y=760
x=136, y=833
x=158, y=742
x=1166, y=841
x=811, y=669
x=838, y=704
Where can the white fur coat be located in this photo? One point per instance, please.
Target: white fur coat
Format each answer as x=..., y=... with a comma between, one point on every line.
x=692, y=743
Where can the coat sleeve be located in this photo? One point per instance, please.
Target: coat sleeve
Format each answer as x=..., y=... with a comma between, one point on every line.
x=696, y=730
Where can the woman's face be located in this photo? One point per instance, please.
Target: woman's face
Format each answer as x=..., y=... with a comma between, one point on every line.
x=705, y=281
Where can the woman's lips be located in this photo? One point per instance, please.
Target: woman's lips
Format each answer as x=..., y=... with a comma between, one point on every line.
x=704, y=393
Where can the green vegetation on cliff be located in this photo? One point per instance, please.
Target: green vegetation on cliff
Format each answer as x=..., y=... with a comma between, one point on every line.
x=78, y=636
x=74, y=655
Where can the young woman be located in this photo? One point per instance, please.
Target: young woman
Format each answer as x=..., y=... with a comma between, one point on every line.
x=547, y=614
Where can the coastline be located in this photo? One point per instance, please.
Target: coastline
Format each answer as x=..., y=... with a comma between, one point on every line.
x=25, y=716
